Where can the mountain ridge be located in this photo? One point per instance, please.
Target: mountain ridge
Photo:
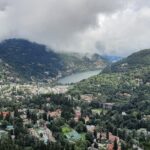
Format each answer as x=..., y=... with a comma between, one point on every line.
x=35, y=61
x=136, y=60
x=118, y=85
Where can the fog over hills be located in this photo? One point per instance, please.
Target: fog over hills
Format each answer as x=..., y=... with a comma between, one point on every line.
x=134, y=61
x=32, y=60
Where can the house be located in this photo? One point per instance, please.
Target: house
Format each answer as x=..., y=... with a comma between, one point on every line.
x=10, y=127
x=102, y=146
x=108, y=105
x=73, y=136
x=143, y=131
x=102, y=135
x=3, y=134
x=23, y=116
x=90, y=128
x=124, y=113
x=42, y=133
x=112, y=138
x=4, y=114
x=77, y=113
x=137, y=147
x=125, y=94
x=22, y=111
x=146, y=117
x=86, y=118
x=87, y=97
x=55, y=114
x=26, y=122
x=111, y=147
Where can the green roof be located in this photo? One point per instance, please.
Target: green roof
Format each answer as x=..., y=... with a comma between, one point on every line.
x=9, y=127
x=73, y=136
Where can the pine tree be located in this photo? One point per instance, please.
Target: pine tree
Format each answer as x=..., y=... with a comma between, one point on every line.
x=107, y=135
x=28, y=114
x=115, y=145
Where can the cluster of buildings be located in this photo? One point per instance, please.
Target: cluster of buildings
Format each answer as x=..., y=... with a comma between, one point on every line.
x=101, y=140
x=5, y=126
x=40, y=130
x=17, y=92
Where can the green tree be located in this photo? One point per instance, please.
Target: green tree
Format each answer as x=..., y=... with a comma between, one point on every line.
x=115, y=145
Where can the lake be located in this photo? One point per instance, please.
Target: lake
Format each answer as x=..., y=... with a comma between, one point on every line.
x=76, y=77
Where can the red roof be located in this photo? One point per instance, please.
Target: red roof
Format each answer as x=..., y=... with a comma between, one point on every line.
x=111, y=146
x=112, y=138
x=4, y=114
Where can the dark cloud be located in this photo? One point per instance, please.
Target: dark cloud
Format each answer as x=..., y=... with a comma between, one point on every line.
x=78, y=25
x=3, y=5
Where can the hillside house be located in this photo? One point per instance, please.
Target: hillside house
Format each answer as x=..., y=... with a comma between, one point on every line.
x=4, y=114
x=108, y=105
x=87, y=97
x=55, y=114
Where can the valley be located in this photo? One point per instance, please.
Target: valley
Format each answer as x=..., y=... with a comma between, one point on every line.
x=33, y=61
x=76, y=77
x=89, y=109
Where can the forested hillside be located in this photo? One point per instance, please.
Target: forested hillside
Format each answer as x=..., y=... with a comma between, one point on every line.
x=119, y=85
x=136, y=60
x=125, y=87
x=76, y=62
x=35, y=61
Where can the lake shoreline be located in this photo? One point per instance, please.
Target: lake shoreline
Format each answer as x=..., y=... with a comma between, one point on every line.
x=77, y=77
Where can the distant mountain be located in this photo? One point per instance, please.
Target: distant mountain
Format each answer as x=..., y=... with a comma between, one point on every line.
x=136, y=60
x=74, y=62
x=111, y=58
x=30, y=59
x=35, y=61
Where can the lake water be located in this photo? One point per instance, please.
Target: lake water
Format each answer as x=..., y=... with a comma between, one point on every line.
x=76, y=77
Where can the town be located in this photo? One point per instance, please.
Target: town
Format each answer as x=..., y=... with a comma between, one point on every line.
x=57, y=117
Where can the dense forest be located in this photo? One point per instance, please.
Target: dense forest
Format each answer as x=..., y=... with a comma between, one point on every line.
x=118, y=85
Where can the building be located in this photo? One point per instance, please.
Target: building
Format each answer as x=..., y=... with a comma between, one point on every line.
x=108, y=105
x=90, y=128
x=87, y=97
x=4, y=114
x=55, y=114
x=77, y=114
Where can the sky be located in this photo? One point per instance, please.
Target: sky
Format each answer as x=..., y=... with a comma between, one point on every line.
x=108, y=27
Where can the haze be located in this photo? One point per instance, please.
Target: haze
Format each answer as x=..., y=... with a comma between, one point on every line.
x=110, y=27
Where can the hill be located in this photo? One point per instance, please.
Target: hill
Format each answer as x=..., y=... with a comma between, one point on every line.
x=30, y=59
x=111, y=58
x=118, y=85
x=75, y=62
x=35, y=61
x=136, y=60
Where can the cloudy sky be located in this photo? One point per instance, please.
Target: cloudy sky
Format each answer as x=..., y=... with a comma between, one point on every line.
x=116, y=27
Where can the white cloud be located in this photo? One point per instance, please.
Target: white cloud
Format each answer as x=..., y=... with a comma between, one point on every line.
x=106, y=26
